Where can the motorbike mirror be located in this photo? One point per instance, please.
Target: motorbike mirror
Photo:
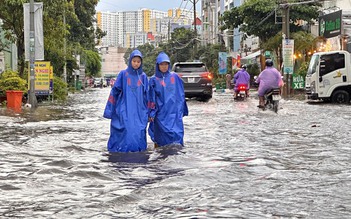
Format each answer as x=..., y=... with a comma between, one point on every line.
x=255, y=77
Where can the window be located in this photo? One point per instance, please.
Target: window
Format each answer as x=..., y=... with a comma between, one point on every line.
x=313, y=64
x=193, y=67
x=331, y=62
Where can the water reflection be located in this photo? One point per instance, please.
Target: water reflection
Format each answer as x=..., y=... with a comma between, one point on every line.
x=129, y=158
x=151, y=155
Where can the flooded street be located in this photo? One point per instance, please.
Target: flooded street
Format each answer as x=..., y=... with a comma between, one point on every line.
x=238, y=162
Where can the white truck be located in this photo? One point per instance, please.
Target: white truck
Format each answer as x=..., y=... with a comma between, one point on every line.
x=329, y=77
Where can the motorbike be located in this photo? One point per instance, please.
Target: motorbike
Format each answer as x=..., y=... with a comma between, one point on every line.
x=272, y=98
x=242, y=92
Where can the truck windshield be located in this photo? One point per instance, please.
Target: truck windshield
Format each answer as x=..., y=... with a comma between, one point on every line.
x=313, y=64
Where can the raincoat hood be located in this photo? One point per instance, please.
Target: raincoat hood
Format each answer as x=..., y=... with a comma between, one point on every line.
x=130, y=69
x=127, y=108
x=162, y=57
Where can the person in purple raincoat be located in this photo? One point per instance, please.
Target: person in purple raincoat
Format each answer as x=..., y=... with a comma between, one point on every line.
x=242, y=77
x=268, y=79
x=127, y=108
x=167, y=105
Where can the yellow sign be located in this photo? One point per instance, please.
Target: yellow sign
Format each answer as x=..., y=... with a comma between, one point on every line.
x=51, y=72
x=42, y=76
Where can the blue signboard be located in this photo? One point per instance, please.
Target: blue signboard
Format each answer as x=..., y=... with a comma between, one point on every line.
x=222, y=62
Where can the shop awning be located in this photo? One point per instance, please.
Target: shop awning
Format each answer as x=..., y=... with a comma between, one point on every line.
x=252, y=58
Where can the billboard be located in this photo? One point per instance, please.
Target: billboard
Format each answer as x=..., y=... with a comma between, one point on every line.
x=222, y=62
x=38, y=30
x=43, y=77
x=288, y=56
x=330, y=24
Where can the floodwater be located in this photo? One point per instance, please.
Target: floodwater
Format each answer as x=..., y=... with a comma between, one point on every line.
x=238, y=162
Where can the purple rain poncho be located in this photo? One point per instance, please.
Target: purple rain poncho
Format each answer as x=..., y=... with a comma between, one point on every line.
x=127, y=109
x=268, y=79
x=241, y=77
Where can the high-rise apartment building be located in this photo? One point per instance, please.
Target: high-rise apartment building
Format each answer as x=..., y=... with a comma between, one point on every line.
x=132, y=28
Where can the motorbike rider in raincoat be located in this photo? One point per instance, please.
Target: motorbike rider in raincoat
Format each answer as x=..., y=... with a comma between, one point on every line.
x=242, y=77
x=127, y=108
x=167, y=104
x=268, y=79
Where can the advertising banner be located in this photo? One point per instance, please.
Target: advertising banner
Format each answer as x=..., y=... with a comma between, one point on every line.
x=330, y=24
x=42, y=77
x=222, y=62
x=38, y=30
x=288, y=56
x=236, y=62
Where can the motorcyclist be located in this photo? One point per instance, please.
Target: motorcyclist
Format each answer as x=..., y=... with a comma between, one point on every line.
x=268, y=79
x=242, y=77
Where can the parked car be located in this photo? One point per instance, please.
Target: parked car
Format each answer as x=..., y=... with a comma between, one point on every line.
x=98, y=81
x=196, y=77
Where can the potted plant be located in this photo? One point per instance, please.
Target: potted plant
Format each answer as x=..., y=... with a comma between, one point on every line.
x=10, y=81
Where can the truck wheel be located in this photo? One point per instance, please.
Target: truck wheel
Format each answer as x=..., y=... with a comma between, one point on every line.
x=341, y=97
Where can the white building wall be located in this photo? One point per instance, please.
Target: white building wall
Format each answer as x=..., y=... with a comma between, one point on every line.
x=112, y=60
x=119, y=25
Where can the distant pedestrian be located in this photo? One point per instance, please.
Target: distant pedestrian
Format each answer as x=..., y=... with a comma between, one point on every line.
x=228, y=80
x=167, y=105
x=127, y=108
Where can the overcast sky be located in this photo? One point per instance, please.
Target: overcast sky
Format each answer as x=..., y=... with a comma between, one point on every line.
x=132, y=5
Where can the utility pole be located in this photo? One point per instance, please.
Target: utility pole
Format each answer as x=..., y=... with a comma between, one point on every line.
x=64, y=45
x=216, y=22
x=286, y=32
x=285, y=6
x=195, y=30
x=169, y=30
x=32, y=97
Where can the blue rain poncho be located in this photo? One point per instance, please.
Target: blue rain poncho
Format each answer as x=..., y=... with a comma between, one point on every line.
x=167, y=106
x=127, y=109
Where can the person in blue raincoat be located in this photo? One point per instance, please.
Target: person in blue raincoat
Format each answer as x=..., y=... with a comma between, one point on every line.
x=167, y=104
x=127, y=108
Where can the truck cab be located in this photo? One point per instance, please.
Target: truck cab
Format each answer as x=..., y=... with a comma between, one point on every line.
x=328, y=77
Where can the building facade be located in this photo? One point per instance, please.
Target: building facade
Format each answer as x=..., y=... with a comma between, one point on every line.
x=133, y=28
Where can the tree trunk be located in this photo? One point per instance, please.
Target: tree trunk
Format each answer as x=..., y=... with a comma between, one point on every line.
x=20, y=55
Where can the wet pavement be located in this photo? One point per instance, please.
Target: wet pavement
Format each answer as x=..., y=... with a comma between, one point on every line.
x=238, y=162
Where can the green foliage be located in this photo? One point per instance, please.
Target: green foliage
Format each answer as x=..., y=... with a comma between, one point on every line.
x=60, y=89
x=253, y=70
x=81, y=25
x=273, y=43
x=78, y=31
x=303, y=69
x=149, y=57
x=12, y=18
x=10, y=80
x=92, y=62
x=209, y=56
x=304, y=42
x=256, y=17
x=180, y=47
